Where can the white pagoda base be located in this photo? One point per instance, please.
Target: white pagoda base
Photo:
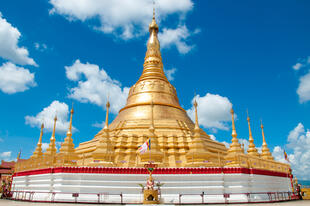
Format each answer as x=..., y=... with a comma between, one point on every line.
x=180, y=185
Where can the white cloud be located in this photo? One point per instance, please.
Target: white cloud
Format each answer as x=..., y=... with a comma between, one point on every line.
x=95, y=86
x=15, y=79
x=213, y=111
x=298, y=142
x=98, y=125
x=176, y=37
x=302, y=63
x=40, y=47
x=303, y=89
x=297, y=66
x=47, y=116
x=6, y=154
x=170, y=73
x=124, y=18
x=9, y=48
x=46, y=144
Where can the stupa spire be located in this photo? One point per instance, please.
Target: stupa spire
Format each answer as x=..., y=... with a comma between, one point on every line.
x=38, y=152
x=252, y=149
x=266, y=154
x=153, y=66
x=69, y=133
x=51, y=150
x=106, y=124
x=235, y=145
x=104, y=152
x=197, y=129
x=67, y=147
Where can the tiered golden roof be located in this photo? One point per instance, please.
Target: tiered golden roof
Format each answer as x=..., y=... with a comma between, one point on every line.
x=152, y=112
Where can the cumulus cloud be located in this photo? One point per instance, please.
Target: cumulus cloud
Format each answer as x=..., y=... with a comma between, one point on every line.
x=124, y=18
x=47, y=116
x=15, y=79
x=176, y=37
x=170, y=73
x=303, y=89
x=9, y=48
x=213, y=111
x=298, y=142
x=95, y=86
x=6, y=156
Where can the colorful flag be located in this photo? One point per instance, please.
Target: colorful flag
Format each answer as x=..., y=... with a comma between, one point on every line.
x=145, y=147
x=285, y=156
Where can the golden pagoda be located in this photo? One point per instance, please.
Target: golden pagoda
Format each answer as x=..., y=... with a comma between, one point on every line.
x=153, y=111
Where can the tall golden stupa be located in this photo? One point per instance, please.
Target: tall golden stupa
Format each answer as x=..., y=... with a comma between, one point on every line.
x=152, y=112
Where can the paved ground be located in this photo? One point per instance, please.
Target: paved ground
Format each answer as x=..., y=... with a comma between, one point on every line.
x=19, y=203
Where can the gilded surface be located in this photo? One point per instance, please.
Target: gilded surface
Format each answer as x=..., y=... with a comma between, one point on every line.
x=152, y=111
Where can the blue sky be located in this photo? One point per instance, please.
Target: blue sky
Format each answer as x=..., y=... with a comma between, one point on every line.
x=253, y=55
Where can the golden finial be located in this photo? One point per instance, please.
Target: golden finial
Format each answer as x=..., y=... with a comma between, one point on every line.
x=250, y=131
x=196, y=116
x=263, y=134
x=70, y=123
x=154, y=9
x=54, y=129
x=41, y=134
x=106, y=124
x=234, y=133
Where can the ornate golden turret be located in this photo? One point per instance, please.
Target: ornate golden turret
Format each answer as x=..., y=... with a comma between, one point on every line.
x=198, y=155
x=67, y=151
x=103, y=155
x=38, y=152
x=252, y=149
x=51, y=150
x=266, y=154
